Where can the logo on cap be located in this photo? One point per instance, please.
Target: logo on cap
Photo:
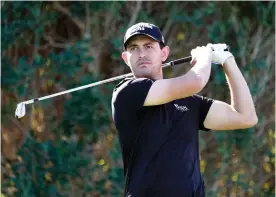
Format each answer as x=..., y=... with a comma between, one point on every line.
x=144, y=29
x=140, y=27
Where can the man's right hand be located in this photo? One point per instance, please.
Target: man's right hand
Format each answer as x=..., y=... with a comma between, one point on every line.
x=203, y=53
x=201, y=61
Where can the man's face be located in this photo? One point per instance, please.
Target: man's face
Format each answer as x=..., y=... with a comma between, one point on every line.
x=144, y=56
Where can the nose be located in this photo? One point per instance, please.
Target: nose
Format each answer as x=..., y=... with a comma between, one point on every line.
x=142, y=53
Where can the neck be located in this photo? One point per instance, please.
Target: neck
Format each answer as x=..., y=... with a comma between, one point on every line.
x=157, y=77
x=154, y=76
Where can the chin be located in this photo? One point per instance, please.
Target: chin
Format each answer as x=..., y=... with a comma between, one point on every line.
x=144, y=75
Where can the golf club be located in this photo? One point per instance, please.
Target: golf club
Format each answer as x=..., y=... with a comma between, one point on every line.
x=21, y=111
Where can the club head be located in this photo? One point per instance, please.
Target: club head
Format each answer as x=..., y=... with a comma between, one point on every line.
x=20, y=110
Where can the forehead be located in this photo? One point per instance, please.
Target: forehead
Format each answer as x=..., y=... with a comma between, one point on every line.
x=141, y=39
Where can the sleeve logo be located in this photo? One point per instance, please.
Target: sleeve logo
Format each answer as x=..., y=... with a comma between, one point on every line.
x=181, y=108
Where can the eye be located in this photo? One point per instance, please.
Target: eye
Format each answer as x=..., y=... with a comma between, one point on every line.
x=149, y=47
x=133, y=48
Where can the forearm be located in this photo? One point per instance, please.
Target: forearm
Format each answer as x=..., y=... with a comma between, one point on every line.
x=202, y=70
x=241, y=99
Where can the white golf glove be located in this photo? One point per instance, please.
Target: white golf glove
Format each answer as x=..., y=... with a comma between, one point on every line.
x=201, y=53
x=219, y=54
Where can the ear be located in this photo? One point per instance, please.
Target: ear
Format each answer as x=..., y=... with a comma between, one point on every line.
x=165, y=53
x=124, y=56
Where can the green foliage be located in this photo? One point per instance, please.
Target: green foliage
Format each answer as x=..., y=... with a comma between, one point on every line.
x=91, y=115
x=71, y=148
x=43, y=165
x=22, y=20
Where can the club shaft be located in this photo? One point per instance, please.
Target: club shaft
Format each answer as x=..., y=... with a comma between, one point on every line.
x=171, y=63
x=79, y=88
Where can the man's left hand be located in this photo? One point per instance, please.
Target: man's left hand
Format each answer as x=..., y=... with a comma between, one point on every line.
x=219, y=55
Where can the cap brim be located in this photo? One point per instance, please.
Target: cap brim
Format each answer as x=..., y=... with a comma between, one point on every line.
x=136, y=34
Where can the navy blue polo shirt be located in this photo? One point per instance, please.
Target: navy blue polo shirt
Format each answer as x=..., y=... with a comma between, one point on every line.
x=160, y=144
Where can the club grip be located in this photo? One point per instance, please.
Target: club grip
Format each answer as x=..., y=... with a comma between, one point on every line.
x=181, y=60
x=227, y=48
x=187, y=59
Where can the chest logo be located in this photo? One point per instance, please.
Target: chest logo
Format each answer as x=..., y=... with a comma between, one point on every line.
x=181, y=108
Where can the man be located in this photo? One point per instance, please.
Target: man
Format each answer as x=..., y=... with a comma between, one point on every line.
x=158, y=119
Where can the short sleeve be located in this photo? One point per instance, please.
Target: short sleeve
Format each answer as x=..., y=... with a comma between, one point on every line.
x=130, y=94
x=204, y=106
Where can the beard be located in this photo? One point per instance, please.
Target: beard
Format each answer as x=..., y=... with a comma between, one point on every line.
x=143, y=72
x=148, y=72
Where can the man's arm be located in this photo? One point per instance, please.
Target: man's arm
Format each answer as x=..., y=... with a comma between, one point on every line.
x=241, y=113
x=166, y=90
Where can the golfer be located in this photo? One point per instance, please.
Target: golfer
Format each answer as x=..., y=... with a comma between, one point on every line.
x=158, y=119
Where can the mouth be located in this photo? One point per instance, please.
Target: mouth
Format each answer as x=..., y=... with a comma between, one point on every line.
x=143, y=64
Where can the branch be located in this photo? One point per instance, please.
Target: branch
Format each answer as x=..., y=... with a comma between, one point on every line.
x=135, y=14
x=55, y=44
x=43, y=47
x=57, y=6
x=257, y=43
x=24, y=134
x=167, y=26
x=215, y=185
x=266, y=77
x=263, y=125
x=169, y=22
x=171, y=38
x=267, y=177
x=108, y=19
x=88, y=17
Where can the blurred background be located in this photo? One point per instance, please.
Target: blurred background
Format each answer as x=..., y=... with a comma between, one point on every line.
x=67, y=146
